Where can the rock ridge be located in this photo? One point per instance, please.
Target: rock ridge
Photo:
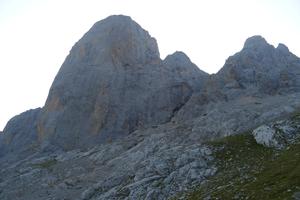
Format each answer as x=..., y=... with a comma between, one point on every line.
x=121, y=123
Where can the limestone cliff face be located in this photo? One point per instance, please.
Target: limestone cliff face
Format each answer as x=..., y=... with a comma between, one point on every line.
x=260, y=69
x=152, y=117
x=181, y=66
x=113, y=82
x=20, y=134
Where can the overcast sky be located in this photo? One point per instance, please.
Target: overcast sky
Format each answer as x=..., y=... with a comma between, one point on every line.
x=36, y=36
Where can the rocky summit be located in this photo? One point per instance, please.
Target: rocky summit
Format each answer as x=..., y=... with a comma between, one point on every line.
x=112, y=83
x=121, y=123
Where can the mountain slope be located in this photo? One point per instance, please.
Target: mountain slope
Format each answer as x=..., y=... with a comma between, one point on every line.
x=112, y=83
x=248, y=170
x=120, y=123
x=259, y=68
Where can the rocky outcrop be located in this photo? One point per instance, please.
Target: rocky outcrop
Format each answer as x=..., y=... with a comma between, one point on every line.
x=219, y=119
x=148, y=164
x=20, y=134
x=267, y=136
x=278, y=134
x=182, y=67
x=112, y=83
x=260, y=69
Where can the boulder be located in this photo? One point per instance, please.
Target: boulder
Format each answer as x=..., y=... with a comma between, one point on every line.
x=266, y=136
x=278, y=134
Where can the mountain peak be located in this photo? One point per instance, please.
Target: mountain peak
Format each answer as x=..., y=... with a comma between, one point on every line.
x=116, y=39
x=119, y=17
x=115, y=21
x=255, y=42
x=282, y=48
x=178, y=56
x=112, y=83
x=182, y=62
x=120, y=123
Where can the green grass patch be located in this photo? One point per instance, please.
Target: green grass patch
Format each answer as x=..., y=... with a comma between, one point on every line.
x=48, y=164
x=248, y=170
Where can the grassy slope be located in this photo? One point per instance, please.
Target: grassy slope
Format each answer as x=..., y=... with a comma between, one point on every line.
x=248, y=170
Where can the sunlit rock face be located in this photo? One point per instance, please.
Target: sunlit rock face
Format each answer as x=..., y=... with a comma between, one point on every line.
x=113, y=82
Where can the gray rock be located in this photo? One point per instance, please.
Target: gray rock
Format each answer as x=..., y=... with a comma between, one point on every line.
x=265, y=135
x=112, y=83
x=182, y=67
x=278, y=134
x=283, y=49
x=259, y=69
x=296, y=196
x=257, y=84
x=133, y=126
x=20, y=134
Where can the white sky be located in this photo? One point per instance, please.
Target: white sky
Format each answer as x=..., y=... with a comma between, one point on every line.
x=36, y=35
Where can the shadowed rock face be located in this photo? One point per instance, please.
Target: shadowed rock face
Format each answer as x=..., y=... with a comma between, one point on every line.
x=20, y=133
x=182, y=67
x=112, y=83
x=260, y=69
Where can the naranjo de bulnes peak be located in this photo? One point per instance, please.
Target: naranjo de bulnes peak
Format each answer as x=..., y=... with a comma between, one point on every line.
x=121, y=123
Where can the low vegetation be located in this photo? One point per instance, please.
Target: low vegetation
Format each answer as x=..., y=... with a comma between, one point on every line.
x=248, y=170
x=48, y=164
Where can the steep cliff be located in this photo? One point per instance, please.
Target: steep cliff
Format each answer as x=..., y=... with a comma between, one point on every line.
x=120, y=123
x=112, y=83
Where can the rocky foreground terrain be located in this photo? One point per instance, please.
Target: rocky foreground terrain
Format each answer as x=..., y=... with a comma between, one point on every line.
x=121, y=123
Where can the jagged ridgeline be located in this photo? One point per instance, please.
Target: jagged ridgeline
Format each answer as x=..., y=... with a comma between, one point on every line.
x=121, y=123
